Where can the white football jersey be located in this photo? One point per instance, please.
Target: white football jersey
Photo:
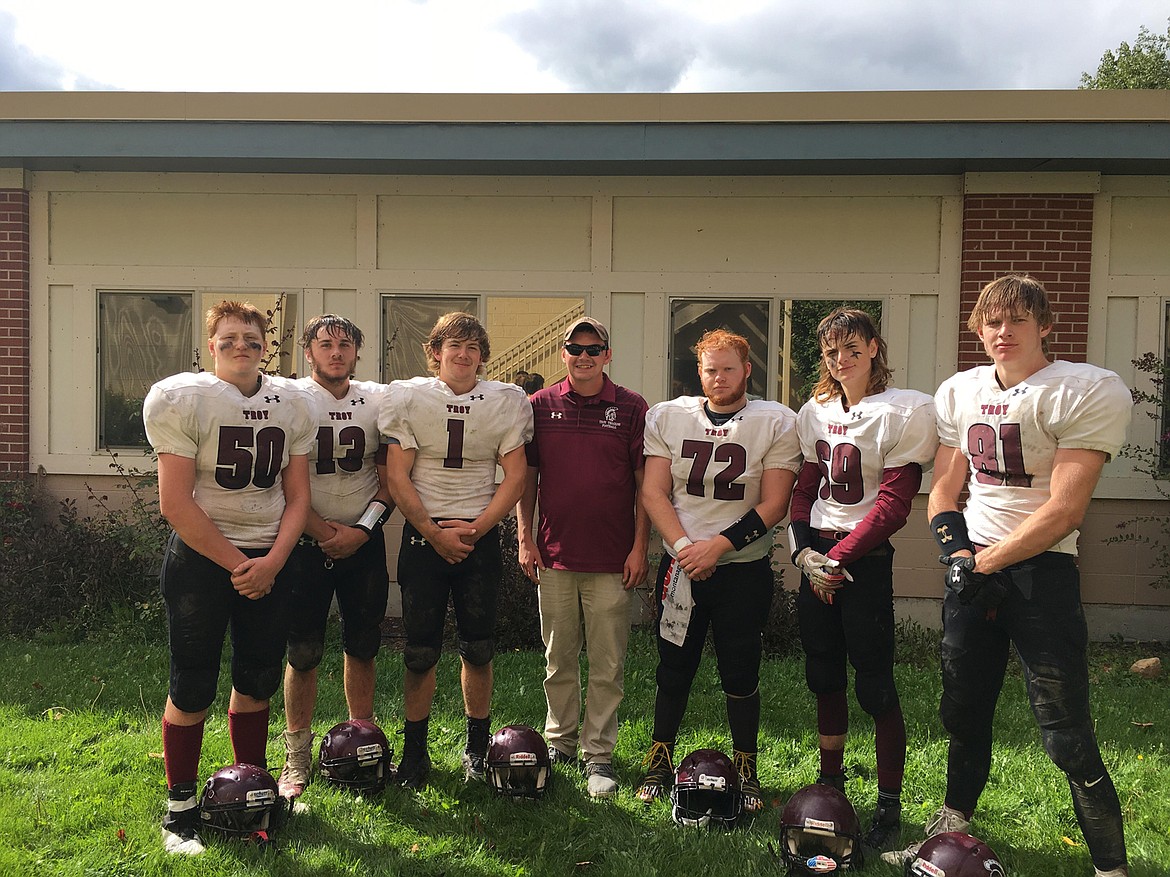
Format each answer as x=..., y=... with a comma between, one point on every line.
x=716, y=469
x=1011, y=436
x=888, y=430
x=240, y=445
x=456, y=439
x=341, y=465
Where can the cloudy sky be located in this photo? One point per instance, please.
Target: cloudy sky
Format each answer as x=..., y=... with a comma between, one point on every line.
x=561, y=45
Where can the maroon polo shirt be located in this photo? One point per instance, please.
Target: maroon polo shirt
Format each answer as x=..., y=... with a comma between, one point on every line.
x=586, y=449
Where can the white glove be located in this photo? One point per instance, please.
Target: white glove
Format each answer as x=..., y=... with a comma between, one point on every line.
x=822, y=572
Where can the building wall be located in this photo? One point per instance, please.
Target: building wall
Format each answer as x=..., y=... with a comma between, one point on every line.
x=14, y=331
x=625, y=246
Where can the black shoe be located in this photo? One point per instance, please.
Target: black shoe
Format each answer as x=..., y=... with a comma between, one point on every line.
x=837, y=781
x=413, y=769
x=749, y=782
x=556, y=756
x=885, y=831
x=180, y=827
x=659, y=777
x=474, y=767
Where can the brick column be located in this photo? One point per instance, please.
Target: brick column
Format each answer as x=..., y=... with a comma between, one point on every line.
x=1047, y=236
x=14, y=333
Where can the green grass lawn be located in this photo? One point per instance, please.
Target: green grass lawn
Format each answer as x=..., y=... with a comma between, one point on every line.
x=82, y=786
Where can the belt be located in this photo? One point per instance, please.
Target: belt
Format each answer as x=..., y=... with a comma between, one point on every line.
x=832, y=535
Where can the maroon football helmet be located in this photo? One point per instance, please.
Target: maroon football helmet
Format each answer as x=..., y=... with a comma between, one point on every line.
x=241, y=800
x=518, y=763
x=956, y=855
x=820, y=831
x=706, y=790
x=356, y=754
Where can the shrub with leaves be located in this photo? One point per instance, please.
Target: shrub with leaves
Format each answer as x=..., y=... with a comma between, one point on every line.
x=1153, y=462
x=70, y=574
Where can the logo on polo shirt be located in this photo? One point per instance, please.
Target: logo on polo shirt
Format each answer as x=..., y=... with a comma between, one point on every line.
x=557, y=415
x=611, y=418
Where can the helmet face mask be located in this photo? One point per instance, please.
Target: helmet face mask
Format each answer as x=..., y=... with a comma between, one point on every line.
x=820, y=832
x=517, y=763
x=356, y=755
x=241, y=801
x=954, y=854
x=706, y=791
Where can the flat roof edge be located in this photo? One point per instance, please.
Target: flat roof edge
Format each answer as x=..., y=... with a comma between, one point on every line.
x=730, y=107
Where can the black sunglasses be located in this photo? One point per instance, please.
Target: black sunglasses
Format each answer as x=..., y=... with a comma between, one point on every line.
x=591, y=349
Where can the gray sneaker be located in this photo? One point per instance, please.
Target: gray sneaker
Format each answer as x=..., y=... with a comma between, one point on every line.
x=945, y=819
x=601, y=779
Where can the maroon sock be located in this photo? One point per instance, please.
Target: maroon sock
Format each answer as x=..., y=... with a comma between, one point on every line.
x=181, y=747
x=890, y=739
x=832, y=714
x=249, y=733
x=832, y=721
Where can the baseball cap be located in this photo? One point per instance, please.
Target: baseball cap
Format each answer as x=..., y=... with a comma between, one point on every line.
x=588, y=324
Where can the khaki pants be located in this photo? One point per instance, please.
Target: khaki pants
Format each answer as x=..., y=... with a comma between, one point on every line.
x=598, y=599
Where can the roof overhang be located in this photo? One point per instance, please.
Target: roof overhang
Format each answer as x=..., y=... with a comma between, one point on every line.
x=1110, y=132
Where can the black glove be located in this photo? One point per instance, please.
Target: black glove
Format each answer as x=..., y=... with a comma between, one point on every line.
x=974, y=588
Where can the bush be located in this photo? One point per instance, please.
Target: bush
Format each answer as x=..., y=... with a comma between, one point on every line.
x=517, y=607
x=1152, y=461
x=71, y=575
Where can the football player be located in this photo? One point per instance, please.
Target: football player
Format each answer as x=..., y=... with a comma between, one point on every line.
x=719, y=472
x=587, y=555
x=233, y=483
x=1028, y=438
x=342, y=549
x=864, y=445
x=447, y=433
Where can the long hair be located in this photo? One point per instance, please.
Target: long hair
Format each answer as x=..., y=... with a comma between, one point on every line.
x=460, y=326
x=834, y=329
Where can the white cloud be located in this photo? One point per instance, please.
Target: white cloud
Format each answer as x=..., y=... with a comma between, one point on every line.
x=560, y=45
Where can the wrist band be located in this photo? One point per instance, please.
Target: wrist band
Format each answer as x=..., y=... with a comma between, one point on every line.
x=799, y=538
x=745, y=531
x=680, y=544
x=376, y=514
x=950, y=532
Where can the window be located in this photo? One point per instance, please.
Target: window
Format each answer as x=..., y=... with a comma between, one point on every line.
x=406, y=323
x=142, y=337
x=526, y=332
x=797, y=361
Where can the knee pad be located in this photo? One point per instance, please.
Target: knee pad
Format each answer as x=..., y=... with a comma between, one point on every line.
x=741, y=685
x=420, y=659
x=365, y=647
x=825, y=676
x=876, y=694
x=305, y=656
x=193, y=692
x=257, y=682
x=1074, y=751
x=478, y=652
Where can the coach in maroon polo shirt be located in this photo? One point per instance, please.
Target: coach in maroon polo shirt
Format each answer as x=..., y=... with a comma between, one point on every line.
x=585, y=467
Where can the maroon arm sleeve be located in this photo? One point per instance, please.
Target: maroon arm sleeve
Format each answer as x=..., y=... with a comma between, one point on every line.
x=887, y=516
x=804, y=492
